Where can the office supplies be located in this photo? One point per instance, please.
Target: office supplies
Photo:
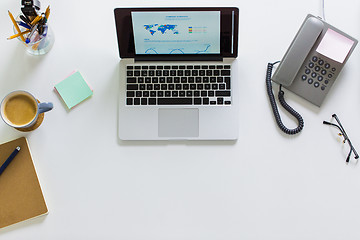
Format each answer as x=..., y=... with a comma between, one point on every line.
x=177, y=80
x=34, y=28
x=21, y=197
x=25, y=25
x=47, y=13
x=36, y=20
x=19, y=34
x=344, y=135
x=30, y=8
x=25, y=19
x=16, y=26
x=9, y=159
x=73, y=90
x=310, y=66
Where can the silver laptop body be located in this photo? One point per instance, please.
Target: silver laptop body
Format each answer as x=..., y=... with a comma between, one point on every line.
x=140, y=118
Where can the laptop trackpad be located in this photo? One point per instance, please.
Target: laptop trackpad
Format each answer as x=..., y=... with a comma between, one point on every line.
x=179, y=122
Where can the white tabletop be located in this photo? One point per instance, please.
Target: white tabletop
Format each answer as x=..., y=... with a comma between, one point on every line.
x=265, y=185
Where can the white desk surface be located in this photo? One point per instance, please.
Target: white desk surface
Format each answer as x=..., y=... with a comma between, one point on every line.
x=266, y=185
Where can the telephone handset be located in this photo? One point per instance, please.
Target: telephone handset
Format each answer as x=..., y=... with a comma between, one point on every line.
x=310, y=66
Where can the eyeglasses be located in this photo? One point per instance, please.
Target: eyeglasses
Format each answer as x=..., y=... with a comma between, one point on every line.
x=344, y=135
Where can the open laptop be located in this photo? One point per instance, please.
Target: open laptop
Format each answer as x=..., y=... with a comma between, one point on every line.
x=177, y=79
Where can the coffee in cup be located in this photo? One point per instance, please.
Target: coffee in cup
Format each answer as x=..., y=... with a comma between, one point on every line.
x=20, y=109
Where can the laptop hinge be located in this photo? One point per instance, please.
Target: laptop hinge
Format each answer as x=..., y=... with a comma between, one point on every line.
x=185, y=57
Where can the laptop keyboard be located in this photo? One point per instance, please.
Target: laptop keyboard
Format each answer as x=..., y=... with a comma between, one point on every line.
x=178, y=85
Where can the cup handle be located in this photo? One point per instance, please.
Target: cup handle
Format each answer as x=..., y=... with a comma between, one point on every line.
x=45, y=106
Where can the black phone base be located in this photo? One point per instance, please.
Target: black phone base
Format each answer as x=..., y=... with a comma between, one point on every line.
x=283, y=103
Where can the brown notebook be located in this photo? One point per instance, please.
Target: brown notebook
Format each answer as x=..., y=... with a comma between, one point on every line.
x=21, y=197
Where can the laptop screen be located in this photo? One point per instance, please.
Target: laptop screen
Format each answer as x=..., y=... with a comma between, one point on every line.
x=177, y=33
x=193, y=32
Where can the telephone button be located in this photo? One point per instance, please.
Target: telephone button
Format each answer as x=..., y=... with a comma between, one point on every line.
x=320, y=78
x=303, y=77
x=307, y=71
x=316, y=84
x=323, y=72
x=327, y=66
x=326, y=81
x=314, y=75
x=330, y=75
x=321, y=62
x=310, y=81
x=317, y=68
x=333, y=69
x=311, y=65
x=323, y=88
x=314, y=58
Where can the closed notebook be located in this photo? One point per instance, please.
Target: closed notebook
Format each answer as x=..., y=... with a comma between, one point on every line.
x=21, y=197
x=73, y=90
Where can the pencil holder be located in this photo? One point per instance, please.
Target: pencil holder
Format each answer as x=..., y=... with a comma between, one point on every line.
x=37, y=44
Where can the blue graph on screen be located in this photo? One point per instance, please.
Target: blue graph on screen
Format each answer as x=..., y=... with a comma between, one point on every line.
x=153, y=50
x=162, y=28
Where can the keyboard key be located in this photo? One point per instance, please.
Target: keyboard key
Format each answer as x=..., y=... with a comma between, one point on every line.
x=152, y=101
x=129, y=101
x=225, y=73
x=131, y=80
x=144, y=101
x=132, y=87
x=136, y=101
x=197, y=101
x=175, y=101
x=223, y=93
x=227, y=82
x=130, y=94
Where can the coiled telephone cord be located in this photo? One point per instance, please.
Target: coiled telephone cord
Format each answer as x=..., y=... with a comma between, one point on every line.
x=283, y=103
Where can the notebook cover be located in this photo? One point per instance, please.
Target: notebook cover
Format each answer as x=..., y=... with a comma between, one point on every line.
x=21, y=197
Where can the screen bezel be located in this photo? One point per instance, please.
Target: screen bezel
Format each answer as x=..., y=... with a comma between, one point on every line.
x=229, y=24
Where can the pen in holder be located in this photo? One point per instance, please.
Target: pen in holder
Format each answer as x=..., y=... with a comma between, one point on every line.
x=33, y=30
x=36, y=42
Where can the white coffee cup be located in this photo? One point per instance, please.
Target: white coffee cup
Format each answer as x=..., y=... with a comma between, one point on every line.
x=20, y=109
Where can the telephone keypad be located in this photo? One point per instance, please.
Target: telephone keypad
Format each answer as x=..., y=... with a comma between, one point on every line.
x=318, y=72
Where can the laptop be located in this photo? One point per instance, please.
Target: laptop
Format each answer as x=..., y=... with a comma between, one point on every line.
x=177, y=74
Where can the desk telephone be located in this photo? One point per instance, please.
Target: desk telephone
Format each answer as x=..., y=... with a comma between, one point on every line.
x=310, y=66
